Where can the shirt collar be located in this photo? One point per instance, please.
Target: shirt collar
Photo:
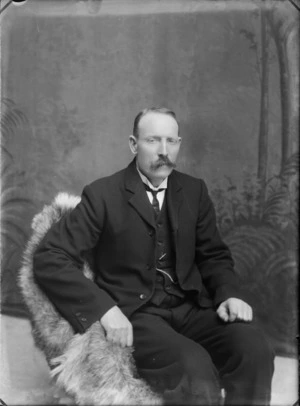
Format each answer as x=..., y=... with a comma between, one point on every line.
x=163, y=185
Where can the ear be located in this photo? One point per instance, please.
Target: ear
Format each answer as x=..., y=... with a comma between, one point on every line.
x=133, y=144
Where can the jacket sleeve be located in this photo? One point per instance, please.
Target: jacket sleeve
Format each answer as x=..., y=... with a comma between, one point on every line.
x=58, y=261
x=213, y=257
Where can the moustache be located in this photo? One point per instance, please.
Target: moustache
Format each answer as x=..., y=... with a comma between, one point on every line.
x=164, y=161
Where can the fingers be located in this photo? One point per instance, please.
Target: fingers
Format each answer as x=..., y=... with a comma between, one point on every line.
x=234, y=309
x=247, y=313
x=242, y=312
x=117, y=327
x=222, y=312
x=120, y=336
x=233, y=315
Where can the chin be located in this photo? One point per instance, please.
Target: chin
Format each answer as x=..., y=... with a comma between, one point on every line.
x=163, y=172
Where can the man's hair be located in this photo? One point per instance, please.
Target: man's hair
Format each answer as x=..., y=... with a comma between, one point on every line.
x=161, y=110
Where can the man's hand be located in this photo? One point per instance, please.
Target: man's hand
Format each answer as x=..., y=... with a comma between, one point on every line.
x=234, y=309
x=117, y=327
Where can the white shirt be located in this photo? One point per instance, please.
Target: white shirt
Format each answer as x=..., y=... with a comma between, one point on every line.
x=160, y=195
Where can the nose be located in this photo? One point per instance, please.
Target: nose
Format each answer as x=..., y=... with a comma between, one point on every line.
x=163, y=150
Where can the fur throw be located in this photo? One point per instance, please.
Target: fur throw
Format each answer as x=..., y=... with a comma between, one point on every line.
x=86, y=366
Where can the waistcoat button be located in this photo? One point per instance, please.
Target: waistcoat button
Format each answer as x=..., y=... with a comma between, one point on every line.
x=143, y=296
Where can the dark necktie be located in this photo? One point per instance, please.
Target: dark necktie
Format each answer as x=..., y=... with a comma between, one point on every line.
x=155, y=202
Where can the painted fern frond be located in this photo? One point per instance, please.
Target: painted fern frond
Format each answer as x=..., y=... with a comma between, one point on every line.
x=291, y=166
x=12, y=117
x=280, y=262
x=9, y=223
x=15, y=203
x=251, y=245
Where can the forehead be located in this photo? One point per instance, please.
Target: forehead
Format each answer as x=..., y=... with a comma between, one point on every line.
x=157, y=124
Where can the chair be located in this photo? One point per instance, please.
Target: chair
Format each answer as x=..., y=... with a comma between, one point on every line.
x=86, y=366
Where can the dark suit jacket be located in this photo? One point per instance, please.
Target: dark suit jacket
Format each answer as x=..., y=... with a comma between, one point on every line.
x=116, y=219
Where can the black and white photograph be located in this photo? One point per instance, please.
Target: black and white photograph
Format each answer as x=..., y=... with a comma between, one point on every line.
x=149, y=202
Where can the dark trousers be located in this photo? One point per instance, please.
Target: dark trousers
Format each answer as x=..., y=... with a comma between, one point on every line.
x=188, y=353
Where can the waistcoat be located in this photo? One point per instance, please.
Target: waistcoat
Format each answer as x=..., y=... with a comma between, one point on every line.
x=164, y=251
x=165, y=260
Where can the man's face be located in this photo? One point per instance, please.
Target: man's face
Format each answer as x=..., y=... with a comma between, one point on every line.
x=157, y=146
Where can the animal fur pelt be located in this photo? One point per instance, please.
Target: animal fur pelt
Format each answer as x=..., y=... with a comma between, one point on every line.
x=86, y=366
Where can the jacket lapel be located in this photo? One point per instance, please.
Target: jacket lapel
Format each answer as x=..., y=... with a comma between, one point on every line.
x=174, y=200
x=137, y=196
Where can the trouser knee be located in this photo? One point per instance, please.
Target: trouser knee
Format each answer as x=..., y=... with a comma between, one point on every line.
x=191, y=379
x=248, y=371
x=253, y=351
x=199, y=379
x=198, y=364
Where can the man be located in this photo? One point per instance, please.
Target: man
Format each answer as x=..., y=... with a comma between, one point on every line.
x=165, y=281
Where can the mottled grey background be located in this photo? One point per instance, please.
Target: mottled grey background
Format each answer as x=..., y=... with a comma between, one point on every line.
x=75, y=74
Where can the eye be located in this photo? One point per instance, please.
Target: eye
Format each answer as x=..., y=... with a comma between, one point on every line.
x=172, y=141
x=151, y=140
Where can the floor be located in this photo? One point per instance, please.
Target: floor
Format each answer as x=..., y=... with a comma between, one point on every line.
x=24, y=375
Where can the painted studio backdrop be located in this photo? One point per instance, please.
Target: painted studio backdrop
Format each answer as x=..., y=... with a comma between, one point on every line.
x=75, y=74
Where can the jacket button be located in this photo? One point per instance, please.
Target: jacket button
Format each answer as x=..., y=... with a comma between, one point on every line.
x=143, y=296
x=151, y=232
x=83, y=319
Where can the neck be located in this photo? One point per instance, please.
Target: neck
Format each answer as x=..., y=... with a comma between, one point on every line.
x=155, y=182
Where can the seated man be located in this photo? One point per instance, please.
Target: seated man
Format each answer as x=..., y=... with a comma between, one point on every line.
x=165, y=281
